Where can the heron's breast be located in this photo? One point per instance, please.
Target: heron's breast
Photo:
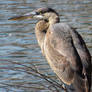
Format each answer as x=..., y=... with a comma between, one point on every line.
x=55, y=60
x=58, y=63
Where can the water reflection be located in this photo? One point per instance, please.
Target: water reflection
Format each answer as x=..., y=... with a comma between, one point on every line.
x=18, y=43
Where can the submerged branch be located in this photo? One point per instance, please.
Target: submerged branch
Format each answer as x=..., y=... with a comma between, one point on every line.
x=32, y=70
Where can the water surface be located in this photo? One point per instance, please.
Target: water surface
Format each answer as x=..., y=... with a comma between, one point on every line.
x=18, y=43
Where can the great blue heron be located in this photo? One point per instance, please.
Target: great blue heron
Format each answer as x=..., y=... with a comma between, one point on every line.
x=63, y=47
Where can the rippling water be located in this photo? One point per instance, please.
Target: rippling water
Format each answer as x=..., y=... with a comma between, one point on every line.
x=18, y=42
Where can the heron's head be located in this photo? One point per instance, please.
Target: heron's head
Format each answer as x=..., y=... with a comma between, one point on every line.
x=48, y=14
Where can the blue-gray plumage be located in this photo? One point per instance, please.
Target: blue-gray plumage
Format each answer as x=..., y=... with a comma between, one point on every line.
x=63, y=47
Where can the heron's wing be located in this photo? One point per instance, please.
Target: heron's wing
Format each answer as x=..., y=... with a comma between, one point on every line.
x=81, y=47
x=62, y=42
x=83, y=52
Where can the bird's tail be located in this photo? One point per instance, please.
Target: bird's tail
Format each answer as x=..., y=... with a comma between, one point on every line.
x=80, y=84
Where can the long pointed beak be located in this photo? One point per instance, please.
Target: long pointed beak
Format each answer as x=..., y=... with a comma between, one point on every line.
x=30, y=15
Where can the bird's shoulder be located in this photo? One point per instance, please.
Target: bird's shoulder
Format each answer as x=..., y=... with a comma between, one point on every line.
x=61, y=31
x=60, y=28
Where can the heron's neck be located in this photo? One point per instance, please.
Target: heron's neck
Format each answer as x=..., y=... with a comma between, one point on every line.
x=42, y=27
x=40, y=30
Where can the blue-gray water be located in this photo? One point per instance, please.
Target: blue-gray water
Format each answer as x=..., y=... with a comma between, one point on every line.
x=18, y=42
